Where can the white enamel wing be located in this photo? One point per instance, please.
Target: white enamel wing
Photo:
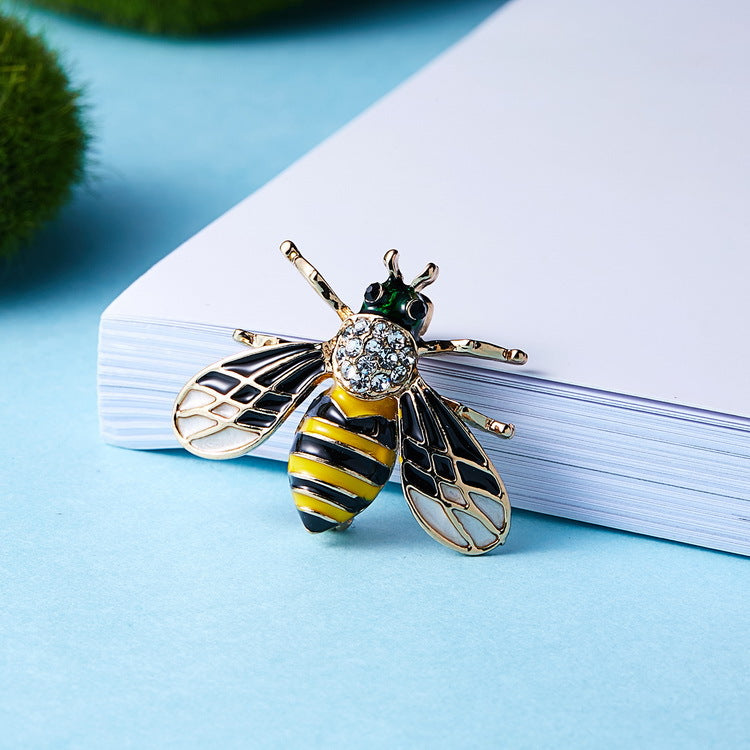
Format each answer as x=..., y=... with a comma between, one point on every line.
x=232, y=406
x=451, y=486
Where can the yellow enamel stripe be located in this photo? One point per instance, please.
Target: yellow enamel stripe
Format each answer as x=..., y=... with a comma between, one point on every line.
x=321, y=507
x=315, y=426
x=357, y=407
x=302, y=466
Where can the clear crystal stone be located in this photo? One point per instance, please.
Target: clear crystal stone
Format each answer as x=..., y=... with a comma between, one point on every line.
x=398, y=375
x=380, y=328
x=353, y=347
x=380, y=382
x=391, y=359
x=351, y=372
x=374, y=346
x=367, y=364
x=395, y=338
x=361, y=325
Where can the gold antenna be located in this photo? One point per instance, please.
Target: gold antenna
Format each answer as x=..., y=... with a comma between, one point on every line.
x=391, y=263
x=315, y=279
x=425, y=278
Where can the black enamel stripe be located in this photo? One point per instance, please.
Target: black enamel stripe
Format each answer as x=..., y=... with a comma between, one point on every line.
x=279, y=371
x=315, y=523
x=245, y=394
x=444, y=467
x=296, y=381
x=341, y=457
x=328, y=493
x=264, y=411
x=324, y=407
x=273, y=402
x=459, y=437
x=419, y=480
x=250, y=418
x=218, y=381
x=250, y=363
x=265, y=406
x=409, y=422
x=433, y=435
x=479, y=478
x=376, y=427
x=410, y=451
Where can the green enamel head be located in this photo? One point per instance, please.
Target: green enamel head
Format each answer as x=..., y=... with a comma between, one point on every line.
x=401, y=303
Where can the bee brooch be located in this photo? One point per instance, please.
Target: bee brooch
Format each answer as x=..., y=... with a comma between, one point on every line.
x=378, y=407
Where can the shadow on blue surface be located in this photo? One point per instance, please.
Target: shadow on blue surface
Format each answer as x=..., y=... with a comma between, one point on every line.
x=531, y=533
x=105, y=235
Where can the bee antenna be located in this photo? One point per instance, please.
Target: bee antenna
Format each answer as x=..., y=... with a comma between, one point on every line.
x=425, y=278
x=391, y=263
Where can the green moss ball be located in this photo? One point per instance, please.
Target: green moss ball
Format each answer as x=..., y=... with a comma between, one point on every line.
x=42, y=140
x=178, y=17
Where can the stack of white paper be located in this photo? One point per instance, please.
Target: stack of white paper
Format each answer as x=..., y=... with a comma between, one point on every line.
x=579, y=171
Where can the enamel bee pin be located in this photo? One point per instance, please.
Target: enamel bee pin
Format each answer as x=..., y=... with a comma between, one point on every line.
x=378, y=407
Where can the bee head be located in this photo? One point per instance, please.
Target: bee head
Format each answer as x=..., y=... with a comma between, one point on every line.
x=401, y=303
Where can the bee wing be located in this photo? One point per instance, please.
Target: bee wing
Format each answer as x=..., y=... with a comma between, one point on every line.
x=451, y=487
x=232, y=406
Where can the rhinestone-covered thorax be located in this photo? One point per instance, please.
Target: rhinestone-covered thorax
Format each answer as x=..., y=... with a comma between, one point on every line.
x=373, y=357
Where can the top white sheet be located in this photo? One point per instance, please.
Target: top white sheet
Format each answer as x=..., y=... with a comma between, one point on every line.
x=579, y=170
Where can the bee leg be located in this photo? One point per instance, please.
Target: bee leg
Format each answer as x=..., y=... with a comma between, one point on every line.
x=316, y=281
x=474, y=348
x=250, y=338
x=477, y=419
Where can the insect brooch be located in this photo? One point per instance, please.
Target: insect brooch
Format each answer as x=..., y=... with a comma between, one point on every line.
x=378, y=407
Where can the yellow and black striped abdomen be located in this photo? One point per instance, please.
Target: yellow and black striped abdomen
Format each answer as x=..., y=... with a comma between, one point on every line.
x=342, y=455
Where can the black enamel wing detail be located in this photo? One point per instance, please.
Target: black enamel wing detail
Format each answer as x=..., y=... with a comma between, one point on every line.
x=449, y=483
x=232, y=406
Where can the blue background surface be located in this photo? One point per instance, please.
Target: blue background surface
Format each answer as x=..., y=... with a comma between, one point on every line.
x=157, y=600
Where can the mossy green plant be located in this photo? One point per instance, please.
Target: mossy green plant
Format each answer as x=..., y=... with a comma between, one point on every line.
x=42, y=137
x=177, y=17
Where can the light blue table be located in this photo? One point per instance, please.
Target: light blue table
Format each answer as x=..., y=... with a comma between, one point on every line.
x=156, y=600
